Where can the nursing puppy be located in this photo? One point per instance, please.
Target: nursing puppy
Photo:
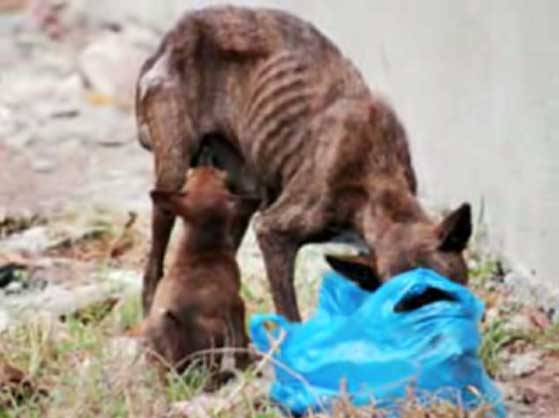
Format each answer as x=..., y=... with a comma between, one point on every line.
x=197, y=306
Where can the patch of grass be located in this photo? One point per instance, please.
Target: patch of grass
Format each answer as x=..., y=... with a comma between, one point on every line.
x=496, y=337
x=86, y=373
x=128, y=313
x=82, y=370
x=482, y=269
x=548, y=340
x=10, y=225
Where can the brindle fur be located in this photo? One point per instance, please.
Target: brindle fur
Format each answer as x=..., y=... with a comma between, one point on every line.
x=321, y=151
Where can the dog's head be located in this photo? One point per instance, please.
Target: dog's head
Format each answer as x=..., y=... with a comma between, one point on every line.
x=405, y=246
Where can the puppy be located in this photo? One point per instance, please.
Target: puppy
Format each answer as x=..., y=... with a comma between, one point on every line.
x=197, y=306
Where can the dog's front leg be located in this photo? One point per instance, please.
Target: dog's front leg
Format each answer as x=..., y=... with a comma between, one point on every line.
x=172, y=138
x=294, y=219
x=279, y=252
x=161, y=226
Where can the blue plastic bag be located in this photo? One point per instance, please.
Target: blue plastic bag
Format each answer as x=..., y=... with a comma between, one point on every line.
x=379, y=344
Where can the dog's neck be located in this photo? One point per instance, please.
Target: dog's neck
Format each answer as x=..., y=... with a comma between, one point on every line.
x=387, y=206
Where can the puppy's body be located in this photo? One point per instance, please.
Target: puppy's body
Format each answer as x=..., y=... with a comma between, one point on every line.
x=293, y=121
x=197, y=305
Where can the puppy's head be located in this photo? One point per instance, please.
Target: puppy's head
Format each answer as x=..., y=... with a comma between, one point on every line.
x=204, y=198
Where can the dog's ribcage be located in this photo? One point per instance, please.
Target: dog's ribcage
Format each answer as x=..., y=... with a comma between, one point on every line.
x=277, y=107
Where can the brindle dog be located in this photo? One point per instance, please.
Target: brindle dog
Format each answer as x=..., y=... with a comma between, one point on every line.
x=293, y=122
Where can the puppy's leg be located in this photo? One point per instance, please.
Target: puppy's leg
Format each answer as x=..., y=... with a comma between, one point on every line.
x=171, y=136
x=239, y=337
x=292, y=221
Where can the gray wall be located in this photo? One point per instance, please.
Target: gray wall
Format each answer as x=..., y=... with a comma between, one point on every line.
x=476, y=83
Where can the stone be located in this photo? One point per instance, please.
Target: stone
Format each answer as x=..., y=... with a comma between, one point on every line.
x=12, y=5
x=14, y=288
x=14, y=131
x=43, y=165
x=142, y=36
x=126, y=280
x=520, y=322
x=525, y=292
x=32, y=241
x=125, y=349
x=122, y=132
x=4, y=320
x=207, y=405
x=148, y=12
x=522, y=365
x=8, y=124
x=110, y=65
x=58, y=19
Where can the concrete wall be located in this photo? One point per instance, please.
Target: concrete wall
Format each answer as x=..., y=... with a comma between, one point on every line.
x=476, y=83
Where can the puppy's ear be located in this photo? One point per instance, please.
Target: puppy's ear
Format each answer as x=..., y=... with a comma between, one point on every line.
x=359, y=269
x=174, y=202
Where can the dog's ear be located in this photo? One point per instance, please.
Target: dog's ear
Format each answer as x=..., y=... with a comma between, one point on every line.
x=174, y=202
x=359, y=269
x=455, y=230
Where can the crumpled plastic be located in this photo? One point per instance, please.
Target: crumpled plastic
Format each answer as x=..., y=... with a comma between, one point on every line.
x=418, y=331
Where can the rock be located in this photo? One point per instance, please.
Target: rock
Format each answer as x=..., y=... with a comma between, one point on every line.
x=43, y=165
x=522, y=365
x=9, y=272
x=13, y=130
x=66, y=99
x=4, y=320
x=125, y=349
x=200, y=406
x=148, y=12
x=32, y=241
x=208, y=405
x=128, y=280
x=111, y=65
x=526, y=292
x=539, y=318
x=141, y=36
x=14, y=288
x=57, y=19
x=10, y=376
x=12, y=5
x=8, y=124
x=121, y=133
x=92, y=125
x=520, y=322
x=491, y=314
